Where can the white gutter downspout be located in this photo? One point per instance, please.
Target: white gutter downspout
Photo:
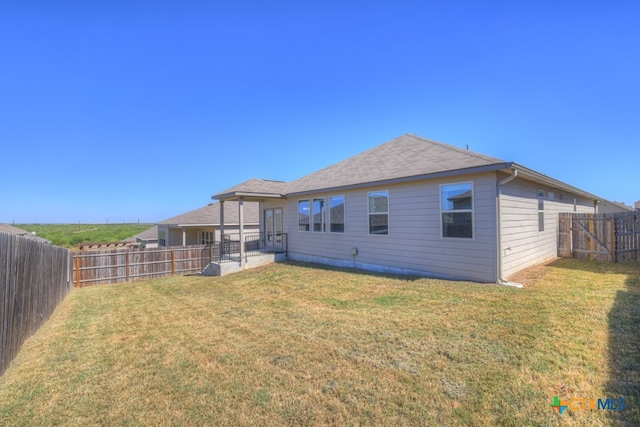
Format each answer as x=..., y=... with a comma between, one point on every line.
x=502, y=280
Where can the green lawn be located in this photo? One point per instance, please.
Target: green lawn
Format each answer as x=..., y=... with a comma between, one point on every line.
x=299, y=344
x=70, y=235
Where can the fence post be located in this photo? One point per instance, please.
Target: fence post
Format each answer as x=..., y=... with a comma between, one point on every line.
x=126, y=267
x=614, y=254
x=592, y=243
x=173, y=263
x=77, y=259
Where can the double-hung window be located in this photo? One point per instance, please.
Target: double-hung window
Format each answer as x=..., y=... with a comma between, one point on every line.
x=304, y=215
x=540, y=210
x=336, y=214
x=379, y=212
x=319, y=209
x=162, y=238
x=456, y=203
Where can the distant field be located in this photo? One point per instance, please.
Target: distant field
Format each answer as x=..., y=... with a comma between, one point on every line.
x=70, y=235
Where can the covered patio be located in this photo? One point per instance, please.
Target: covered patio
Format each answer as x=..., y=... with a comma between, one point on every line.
x=240, y=250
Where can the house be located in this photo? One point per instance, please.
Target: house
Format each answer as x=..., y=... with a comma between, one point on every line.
x=10, y=229
x=145, y=239
x=417, y=206
x=203, y=225
x=607, y=206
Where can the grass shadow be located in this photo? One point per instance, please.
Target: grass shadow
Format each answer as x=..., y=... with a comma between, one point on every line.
x=588, y=265
x=624, y=351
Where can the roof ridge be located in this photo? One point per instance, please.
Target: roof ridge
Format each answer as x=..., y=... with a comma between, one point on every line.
x=453, y=147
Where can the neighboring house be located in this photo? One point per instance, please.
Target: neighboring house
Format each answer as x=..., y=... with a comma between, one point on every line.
x=146, y=239
x=202, y=226
x=637, y=205
x=606, y=206
x=417, y=206
x=6, y=228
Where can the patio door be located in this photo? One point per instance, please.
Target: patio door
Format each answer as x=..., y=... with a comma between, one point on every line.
x=273, y=226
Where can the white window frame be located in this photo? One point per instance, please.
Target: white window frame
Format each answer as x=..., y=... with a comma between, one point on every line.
x=162, y=238
x=472, y=211
x=540, y=194
x=387, y=213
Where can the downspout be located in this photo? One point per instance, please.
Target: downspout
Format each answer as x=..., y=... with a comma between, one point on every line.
x=500, y=183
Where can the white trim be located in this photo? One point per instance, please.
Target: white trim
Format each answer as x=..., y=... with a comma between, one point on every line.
x=388, y=213
x=540, y=198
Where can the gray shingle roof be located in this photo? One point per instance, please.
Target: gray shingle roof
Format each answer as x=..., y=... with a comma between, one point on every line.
x=404, y=157
x=210, y=215
x=257, y=186
x=6, y=228
x=148, y=234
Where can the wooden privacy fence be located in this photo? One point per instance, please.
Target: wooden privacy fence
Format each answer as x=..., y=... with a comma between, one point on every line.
x=599, y=237
x=34, y=279
x=120, y=266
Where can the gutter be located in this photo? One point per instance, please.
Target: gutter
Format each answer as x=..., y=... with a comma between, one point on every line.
x=501, y=280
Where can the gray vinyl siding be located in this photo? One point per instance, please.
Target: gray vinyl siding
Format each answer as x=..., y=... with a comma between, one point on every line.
x=414, y=242
x=523, y=245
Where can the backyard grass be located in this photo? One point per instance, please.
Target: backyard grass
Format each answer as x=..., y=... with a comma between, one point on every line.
x=70, y=235
x=301, y=344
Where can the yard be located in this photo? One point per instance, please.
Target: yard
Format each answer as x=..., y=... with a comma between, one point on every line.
x=301, y=344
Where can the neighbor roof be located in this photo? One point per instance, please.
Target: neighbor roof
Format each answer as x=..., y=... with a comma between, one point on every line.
x=210, y=215
x=6, y=228
x=146, y=235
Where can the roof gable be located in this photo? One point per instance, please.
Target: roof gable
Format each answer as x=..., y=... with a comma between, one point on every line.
x=406, y=158
x=403, y=157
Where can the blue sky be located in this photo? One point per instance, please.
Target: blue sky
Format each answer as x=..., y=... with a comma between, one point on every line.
x=140, y=110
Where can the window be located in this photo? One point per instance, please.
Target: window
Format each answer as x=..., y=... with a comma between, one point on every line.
x=456, y=203
x=540, y=210
x=379, y=212
x=319, y=214
x=205, y=237
x=162, y=238
x=336, y=214
x=303, y=215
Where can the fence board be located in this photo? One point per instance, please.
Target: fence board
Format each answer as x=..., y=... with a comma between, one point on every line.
x=120, y=266
x=602, y=237
x=627, y=228
x=34, y=279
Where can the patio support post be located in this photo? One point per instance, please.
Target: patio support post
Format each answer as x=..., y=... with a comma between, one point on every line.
x=241, y=224
x=221, y=229
x=184, y=236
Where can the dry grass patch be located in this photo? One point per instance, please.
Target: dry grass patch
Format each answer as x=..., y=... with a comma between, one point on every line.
x=296, y=344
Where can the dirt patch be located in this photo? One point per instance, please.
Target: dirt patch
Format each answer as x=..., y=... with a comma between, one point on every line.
x=531, y=275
